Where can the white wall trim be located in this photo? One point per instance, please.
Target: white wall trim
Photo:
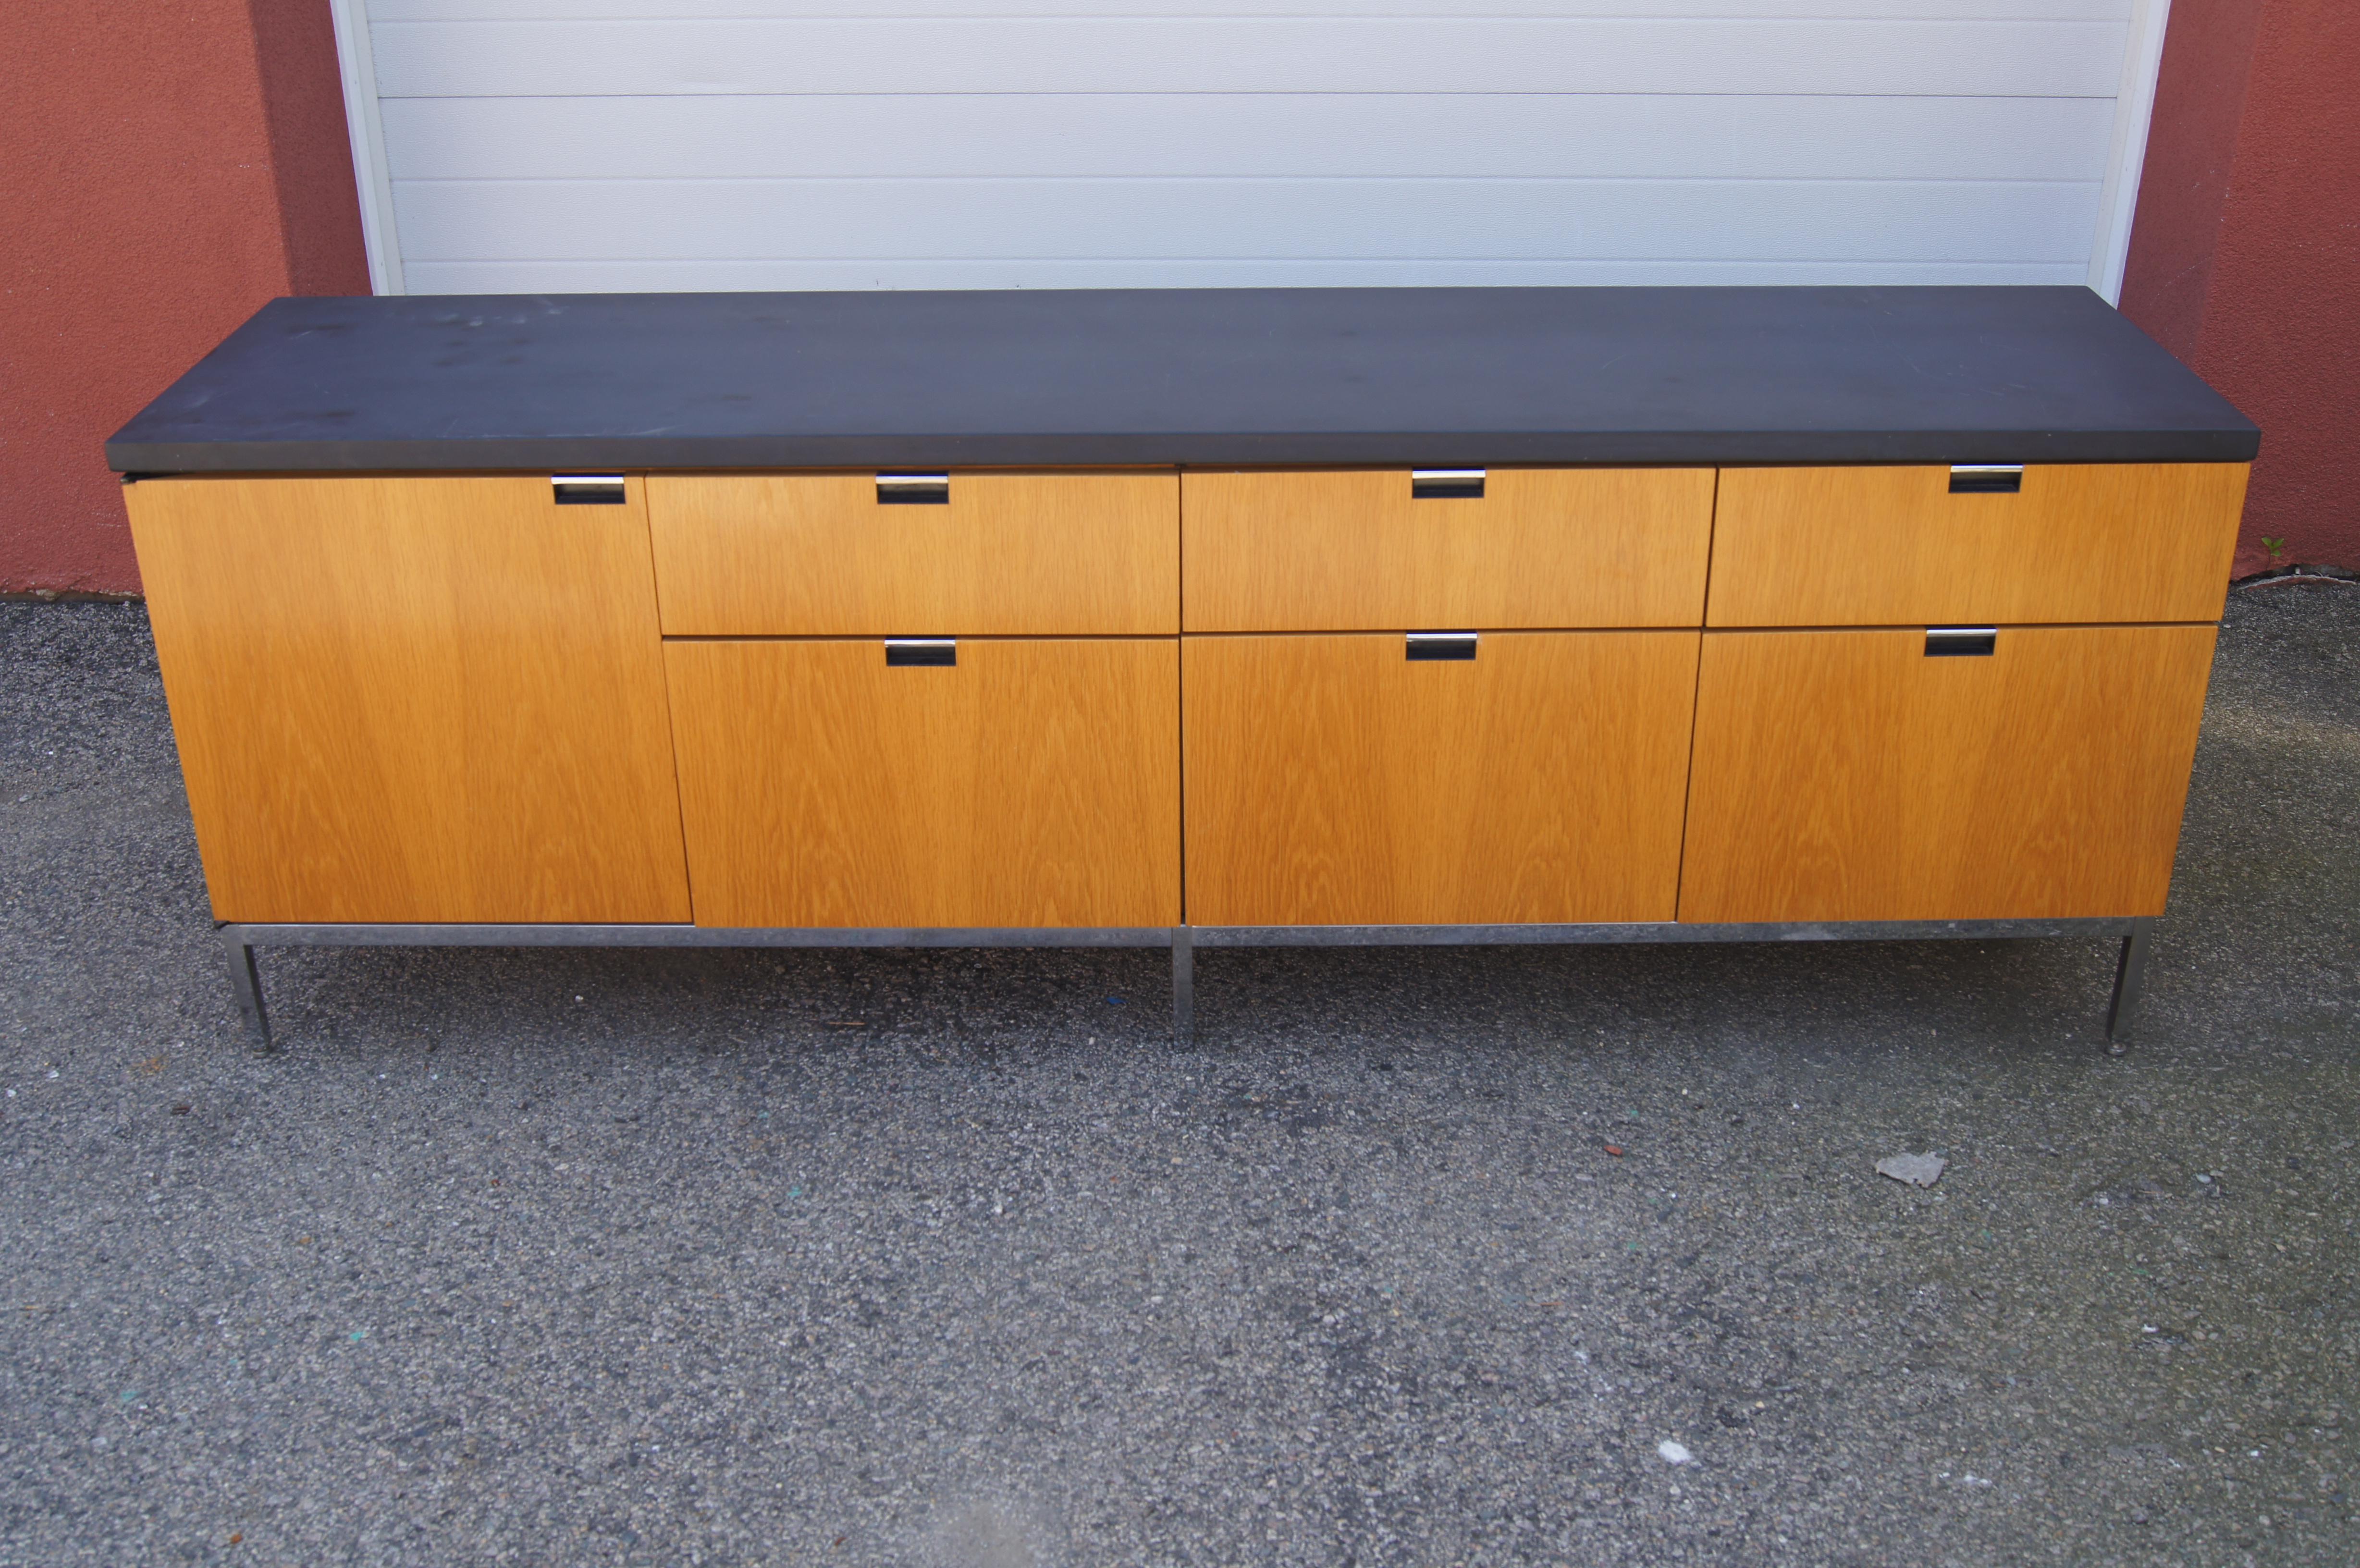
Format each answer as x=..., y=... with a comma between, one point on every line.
x=369, y=177
x=2134, y=110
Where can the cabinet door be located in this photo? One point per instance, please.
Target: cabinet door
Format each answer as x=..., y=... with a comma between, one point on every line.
x=1849, y=547
x=1028, y=784
x=1067, y=554
x=1335, y=781
x=1851, y=775
x=1362, y=550
x=415, y=698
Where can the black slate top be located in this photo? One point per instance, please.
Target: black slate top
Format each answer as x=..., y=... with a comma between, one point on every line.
x=1469, y=377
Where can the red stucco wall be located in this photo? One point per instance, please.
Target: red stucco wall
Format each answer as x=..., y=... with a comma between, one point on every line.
x=2200, y=100
x=2246, y=255
x=165, y=169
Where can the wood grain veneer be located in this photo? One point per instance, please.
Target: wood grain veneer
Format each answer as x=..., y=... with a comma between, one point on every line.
x=1036, y=783
x=1352, y=550
x=414, y=699
x=1063, y=554
x=1829, y=547
x=1846, y=776
x=1333, y=782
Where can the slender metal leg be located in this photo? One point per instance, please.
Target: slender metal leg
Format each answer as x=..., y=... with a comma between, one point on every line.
x=1184, y=985
x=2130, y=981
x=245, y=980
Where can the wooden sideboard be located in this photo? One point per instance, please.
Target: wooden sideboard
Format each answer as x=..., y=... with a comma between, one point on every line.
x=423, y=693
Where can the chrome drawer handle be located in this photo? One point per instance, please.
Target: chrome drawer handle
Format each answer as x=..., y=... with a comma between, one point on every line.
x=1445, y=484
x=587, y=489
x=1986, y=478
x=1421, y=646
x=1961, y=642
x=913, y=489
x=921, y=653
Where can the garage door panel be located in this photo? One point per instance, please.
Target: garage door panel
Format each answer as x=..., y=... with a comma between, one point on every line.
x=1498, y=136
x=1309, y=220
x=1799, y=53
x=642, y=276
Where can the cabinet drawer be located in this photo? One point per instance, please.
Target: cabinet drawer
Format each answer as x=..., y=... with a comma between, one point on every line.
x=1849, y=776
x=415, y=698
x=1364, y=550
x=1832, y=547
x=1026, y=784
x=1334, y=780
x=1067, y=554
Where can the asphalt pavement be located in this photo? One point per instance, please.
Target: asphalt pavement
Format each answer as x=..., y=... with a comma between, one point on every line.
x=952, y=1260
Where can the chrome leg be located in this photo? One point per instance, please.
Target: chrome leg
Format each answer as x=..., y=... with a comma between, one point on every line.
x=246, y=981
x=2130, y=981
x=1184, y=987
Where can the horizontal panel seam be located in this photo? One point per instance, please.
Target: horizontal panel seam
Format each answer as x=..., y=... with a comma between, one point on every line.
x=1996, y=626
x=1004, y=258
x=901, y=635
x=1243, y=92
x=1446, y=180
x=687, y=92
x=1448, y=626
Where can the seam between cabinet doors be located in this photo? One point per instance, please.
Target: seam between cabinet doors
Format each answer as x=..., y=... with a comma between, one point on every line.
x=1696, y=701
x=1180, y=671
x=663, y=679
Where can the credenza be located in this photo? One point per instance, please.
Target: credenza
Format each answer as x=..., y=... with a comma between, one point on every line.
x=1186, y=619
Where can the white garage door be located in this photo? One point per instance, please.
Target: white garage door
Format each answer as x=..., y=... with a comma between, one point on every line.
x=539, y=145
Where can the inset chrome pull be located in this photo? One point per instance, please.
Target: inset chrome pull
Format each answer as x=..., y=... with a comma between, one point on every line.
x=1986, y=478
x=1961, y=642
x=588, y=489
x=1445, y=484
x=1423, y=645
x=920, y=652
x=913, y=489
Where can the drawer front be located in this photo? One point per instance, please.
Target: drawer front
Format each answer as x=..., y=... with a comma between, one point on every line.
x=1369, y=549
x=1336, y=781
x=415, y=698
x=1851, y=775
x=1026, y=784
x=1832, y=547
x=1063, y=555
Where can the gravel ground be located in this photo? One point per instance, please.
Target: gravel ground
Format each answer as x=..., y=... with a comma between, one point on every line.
x=951, y=1261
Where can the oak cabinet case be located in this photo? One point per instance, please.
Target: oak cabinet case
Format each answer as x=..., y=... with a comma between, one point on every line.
x=1187, y=618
